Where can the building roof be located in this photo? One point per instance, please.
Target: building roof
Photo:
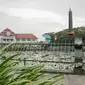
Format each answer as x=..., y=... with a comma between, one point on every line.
x=25, y=36
x=4, y=32
x=18, y=36
x=7, y=29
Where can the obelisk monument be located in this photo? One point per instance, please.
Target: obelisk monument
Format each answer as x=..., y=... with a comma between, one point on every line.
x=70, y=20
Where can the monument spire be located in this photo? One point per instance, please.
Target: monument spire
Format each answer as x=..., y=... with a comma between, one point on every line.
x=70, y=20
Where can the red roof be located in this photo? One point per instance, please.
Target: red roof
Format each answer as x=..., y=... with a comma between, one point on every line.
x=25, y=36
x=18, y=36
x=7, y=30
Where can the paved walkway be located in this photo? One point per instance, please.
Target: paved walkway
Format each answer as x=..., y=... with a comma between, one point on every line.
x=73, y=80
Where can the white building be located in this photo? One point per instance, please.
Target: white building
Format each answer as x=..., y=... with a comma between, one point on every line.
x=8, y=36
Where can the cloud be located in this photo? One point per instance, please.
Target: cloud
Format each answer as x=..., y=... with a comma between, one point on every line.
x=29, y=13
x=79, y=21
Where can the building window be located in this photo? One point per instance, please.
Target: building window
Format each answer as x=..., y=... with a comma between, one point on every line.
x=11, y=39
x=18, y=39
x=23, y=39
x=4, y=39
x=28, y=39
x=7, y=39
x=33, y=39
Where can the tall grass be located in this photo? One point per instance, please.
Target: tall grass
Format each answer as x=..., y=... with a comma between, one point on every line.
x=10, y=75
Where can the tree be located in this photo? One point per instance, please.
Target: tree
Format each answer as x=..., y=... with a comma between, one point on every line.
x=63, y=35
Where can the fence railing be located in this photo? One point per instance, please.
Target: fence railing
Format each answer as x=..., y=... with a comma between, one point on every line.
x=74, y=65
x=66, y=47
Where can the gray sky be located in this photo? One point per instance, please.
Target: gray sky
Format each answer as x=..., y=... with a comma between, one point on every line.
x=40, y=16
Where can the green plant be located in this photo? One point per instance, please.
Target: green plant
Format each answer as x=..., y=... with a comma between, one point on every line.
x=10, y=75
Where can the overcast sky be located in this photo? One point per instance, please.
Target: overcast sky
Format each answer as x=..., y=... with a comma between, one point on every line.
x=40, y=16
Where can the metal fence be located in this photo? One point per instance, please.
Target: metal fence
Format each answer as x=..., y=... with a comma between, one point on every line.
x=65, y=47
x=57, y=57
